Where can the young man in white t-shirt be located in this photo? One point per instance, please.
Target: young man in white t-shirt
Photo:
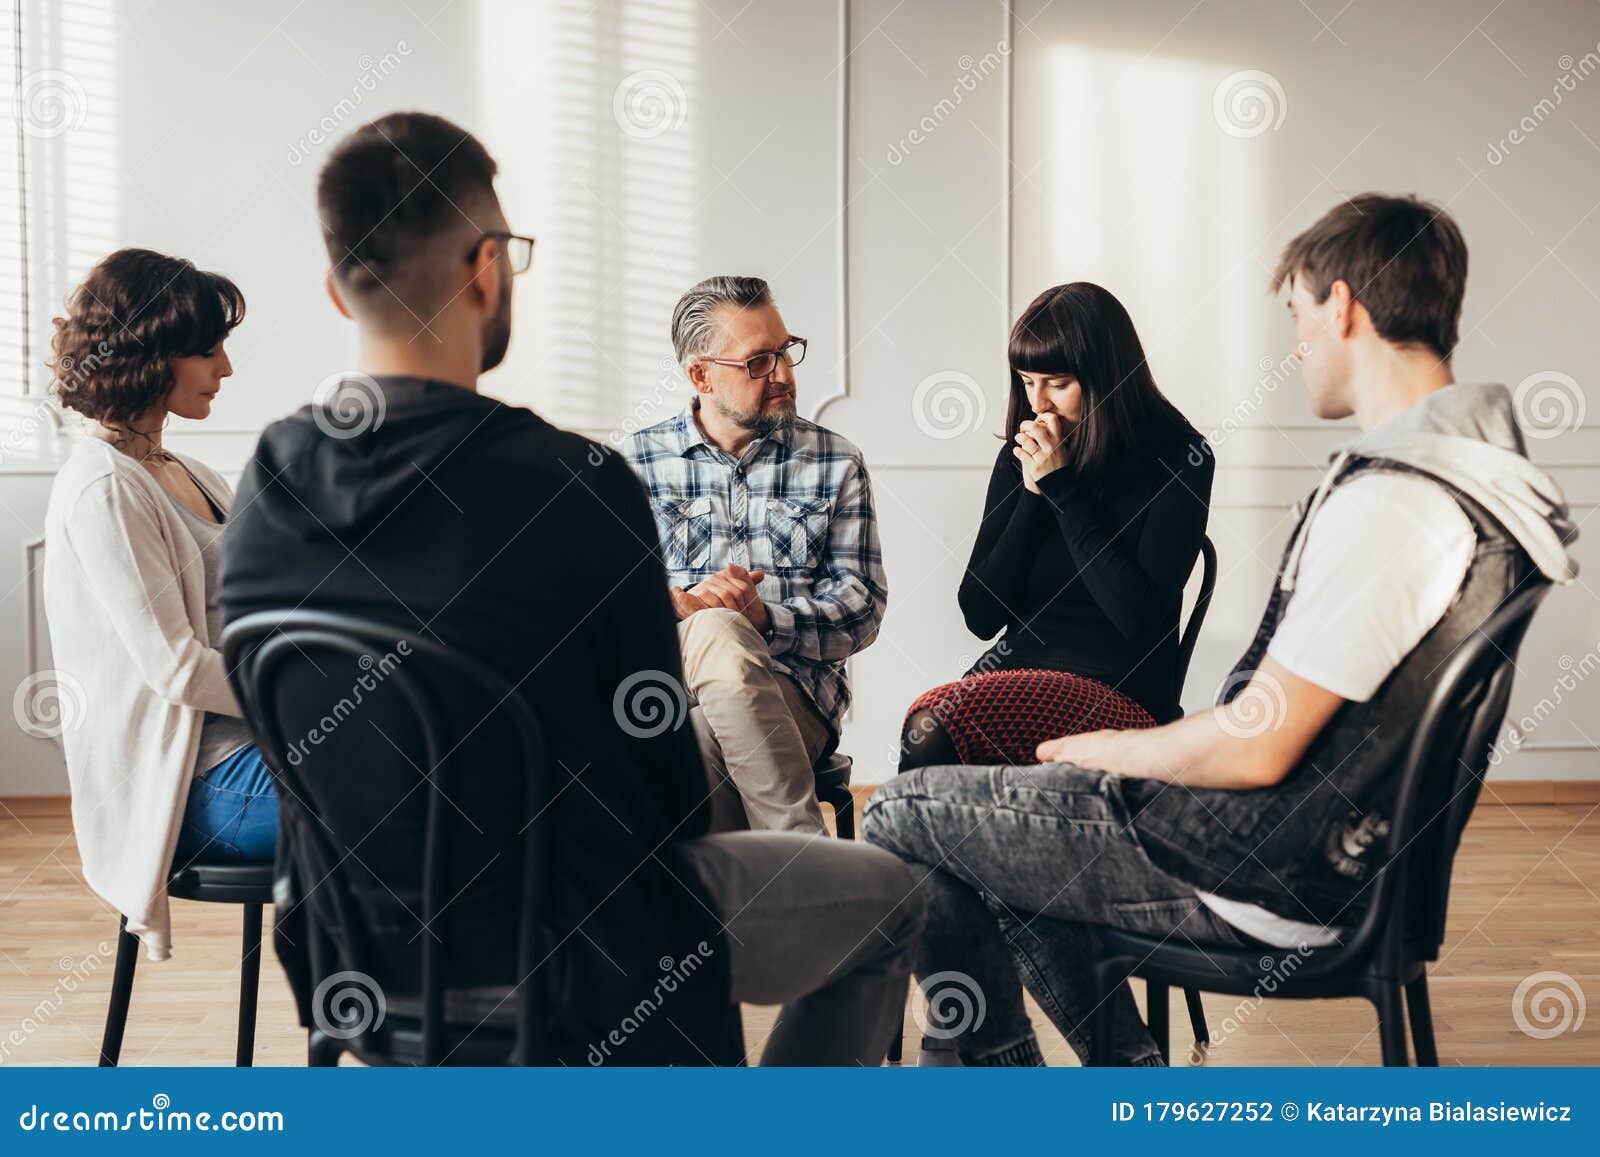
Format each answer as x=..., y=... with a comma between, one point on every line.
x=1253, y=822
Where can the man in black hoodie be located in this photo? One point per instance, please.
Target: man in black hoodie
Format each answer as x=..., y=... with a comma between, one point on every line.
x=404, y=495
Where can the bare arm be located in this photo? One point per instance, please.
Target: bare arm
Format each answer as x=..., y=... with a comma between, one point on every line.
x=1254, y=741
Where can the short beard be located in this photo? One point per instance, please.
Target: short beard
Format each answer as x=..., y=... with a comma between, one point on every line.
x=762, y=422
x=497, y=332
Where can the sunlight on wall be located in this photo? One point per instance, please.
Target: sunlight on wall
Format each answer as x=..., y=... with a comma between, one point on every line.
x=1147, y=191
x=72, y=177
x=64, y=103
x=1144, y=193
x=590, y=109
x=11, y=249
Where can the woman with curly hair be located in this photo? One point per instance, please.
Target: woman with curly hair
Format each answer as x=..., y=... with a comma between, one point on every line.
x=163, y=769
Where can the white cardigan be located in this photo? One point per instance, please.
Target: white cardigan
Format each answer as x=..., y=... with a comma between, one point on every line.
x=124, y=590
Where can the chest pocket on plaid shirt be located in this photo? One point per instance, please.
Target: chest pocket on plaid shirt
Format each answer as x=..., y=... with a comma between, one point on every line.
x=685, y=531
x=796, y=529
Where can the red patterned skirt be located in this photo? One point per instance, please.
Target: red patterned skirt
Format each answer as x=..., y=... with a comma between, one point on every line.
x=1002, y=716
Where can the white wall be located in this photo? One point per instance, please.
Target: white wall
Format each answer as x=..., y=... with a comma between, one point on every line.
x=906, y=193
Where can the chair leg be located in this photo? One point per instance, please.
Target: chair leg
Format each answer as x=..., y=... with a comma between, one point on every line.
x=249, y=985
x=844, y=805
x=1421, y=1014
x=1102, y=1026
x=844, y=814
x=1391, y=1023
x=1197, y=1021
x=121, y=994
x=1157, y=1001
x=322, y=1050
x=897, y=1043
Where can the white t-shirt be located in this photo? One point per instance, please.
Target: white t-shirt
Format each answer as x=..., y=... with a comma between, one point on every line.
x=1385, y=557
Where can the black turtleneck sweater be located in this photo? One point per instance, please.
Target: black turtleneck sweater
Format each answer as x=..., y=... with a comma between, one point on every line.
x=1092, y=583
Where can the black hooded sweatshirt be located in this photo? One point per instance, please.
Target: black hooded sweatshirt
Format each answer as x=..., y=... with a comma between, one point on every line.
x=460, y=518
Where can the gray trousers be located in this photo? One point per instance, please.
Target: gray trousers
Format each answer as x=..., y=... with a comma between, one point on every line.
x=826, y=928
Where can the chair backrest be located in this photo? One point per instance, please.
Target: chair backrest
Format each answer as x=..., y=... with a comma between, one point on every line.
x=1197, y=617
x=1440, y=781
x=356, y=712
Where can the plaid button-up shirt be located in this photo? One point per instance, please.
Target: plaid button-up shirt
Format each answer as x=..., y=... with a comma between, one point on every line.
x=796, y=504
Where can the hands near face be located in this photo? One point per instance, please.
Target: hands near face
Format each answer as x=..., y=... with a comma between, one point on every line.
x=732, y=587
x=1039, y=448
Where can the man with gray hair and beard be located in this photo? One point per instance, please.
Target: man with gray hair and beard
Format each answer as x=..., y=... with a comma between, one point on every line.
x=771, y=547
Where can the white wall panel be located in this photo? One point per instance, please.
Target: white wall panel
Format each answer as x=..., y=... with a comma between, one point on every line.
x=908, y=176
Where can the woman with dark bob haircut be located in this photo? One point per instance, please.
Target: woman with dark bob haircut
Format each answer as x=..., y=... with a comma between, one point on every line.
x=162, y=767
x=1095, y=514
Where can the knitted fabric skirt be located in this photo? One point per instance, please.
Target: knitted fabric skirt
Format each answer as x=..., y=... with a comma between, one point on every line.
x=1001, y=717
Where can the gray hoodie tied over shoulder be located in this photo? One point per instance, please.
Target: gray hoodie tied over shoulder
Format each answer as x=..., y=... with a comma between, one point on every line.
x=1467, y=436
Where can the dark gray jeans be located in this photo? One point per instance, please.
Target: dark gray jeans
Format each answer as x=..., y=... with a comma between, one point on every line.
x=1018, y=866
x=827, y=928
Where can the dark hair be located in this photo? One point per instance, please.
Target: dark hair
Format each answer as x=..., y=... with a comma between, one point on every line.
x=395, y=198
x=1082, y=330
x=1404, y=260
x=137, y=310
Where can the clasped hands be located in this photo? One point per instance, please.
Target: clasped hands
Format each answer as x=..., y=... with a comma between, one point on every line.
x=1039, y=448
x=732, y=587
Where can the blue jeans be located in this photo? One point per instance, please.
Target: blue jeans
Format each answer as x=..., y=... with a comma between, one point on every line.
x=232, y=813
x=1018, y=866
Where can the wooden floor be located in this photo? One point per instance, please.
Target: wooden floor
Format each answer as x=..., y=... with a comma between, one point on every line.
x=1526, y=901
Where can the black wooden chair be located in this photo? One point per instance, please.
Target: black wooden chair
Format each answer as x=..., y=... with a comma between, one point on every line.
x=1186, y=645
x=833, y=788
x=283, y=666
x=1197, y=617
x=1403, y=925
x=247, y=884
